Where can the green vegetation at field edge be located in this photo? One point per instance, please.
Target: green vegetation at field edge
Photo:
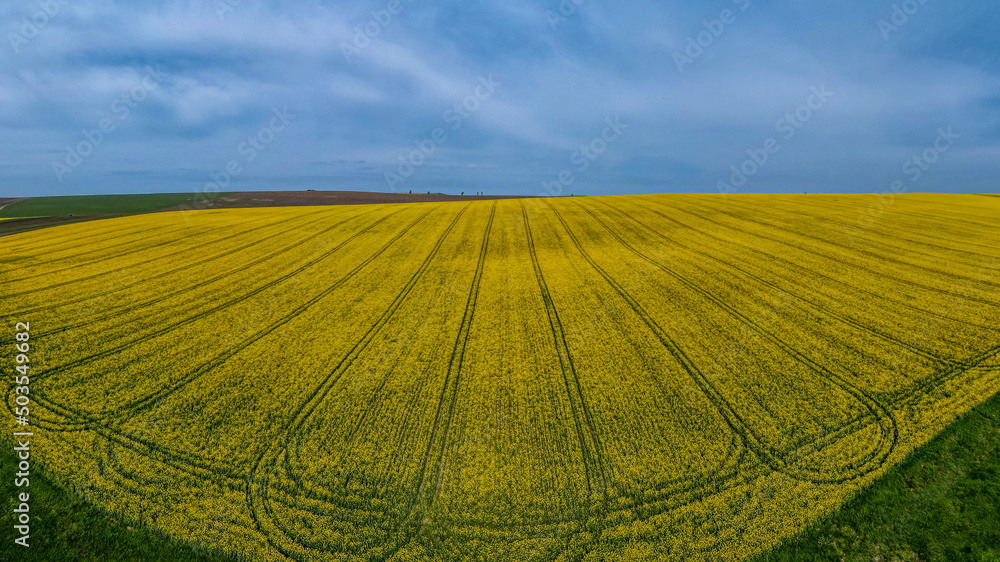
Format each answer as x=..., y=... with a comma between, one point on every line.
x=941, y=504
x=65, y=527
x=17, y=225
x=96, y=204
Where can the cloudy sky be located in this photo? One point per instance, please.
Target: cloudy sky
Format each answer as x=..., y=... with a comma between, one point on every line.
x=502, y=96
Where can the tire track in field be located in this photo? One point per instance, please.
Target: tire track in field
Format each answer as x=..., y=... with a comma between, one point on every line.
x=368, y=410
x=831, y=258
x=386, y=318
x=122, y=478
x=732, y=418
x=959, y=204
x=221, y=358
x=151, y=244
x=72, y=240
x=220, y=474
x=927, y=385
x=643, y=511
x=320, y=504
x=548, y=300
x=888, y=256
x=402, y=340
x=180, y=460
x=58, y=237
x=123, y=252
x=109, y=463
x=292, y=450
x=184, y=461
x=402, y=539
x=901, y=221
x=103, y=229
x=819, y=369
x=259, y=481
x=876, y=257
x=96, y=356
x=459, y=342
x=694, y=491
x=175, y=270
x=177, y=460
x=208, y=259
x=113, y=271
x=896, y=225
x=879, y=242
x=120, y=311
x=818, y=242
x=591, y=460
x=846, y=320
x=455, y=371
x=687, y=489
x=793, y=265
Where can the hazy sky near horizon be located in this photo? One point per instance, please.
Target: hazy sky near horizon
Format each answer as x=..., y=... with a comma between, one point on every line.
x=499, y=96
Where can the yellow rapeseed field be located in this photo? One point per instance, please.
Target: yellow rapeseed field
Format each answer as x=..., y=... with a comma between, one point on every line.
x=618, y=378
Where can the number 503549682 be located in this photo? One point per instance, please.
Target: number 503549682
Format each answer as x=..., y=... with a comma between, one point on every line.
x=23, y=363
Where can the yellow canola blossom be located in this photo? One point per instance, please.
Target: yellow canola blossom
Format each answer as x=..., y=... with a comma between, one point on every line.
x=661, y=377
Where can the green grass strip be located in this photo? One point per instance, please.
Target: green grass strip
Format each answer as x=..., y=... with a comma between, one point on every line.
x=942, y=504
x=96, y=204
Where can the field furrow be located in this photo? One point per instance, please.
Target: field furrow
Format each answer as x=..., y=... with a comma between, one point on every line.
x=657, y=377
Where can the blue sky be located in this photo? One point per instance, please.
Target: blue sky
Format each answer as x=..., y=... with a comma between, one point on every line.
x=289, y=95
